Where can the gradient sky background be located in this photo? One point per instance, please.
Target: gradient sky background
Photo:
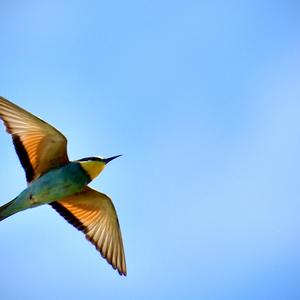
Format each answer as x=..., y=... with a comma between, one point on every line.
x=203, y=100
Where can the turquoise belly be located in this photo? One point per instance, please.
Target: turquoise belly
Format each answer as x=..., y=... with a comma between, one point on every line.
x=54, y=185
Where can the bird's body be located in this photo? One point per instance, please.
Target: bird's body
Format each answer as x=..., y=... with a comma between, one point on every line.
x=55, y=180
x=54, y=185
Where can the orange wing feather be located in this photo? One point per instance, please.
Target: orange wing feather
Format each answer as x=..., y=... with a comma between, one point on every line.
x=94, y=214
x=40, y=146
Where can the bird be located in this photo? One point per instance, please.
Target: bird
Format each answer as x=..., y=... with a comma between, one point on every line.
x=63, y=184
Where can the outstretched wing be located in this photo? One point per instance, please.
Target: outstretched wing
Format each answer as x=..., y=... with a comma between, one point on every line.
x=40, y=146
x=94, y=214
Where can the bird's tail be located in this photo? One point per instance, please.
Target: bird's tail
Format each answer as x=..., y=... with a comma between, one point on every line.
x=6, y=210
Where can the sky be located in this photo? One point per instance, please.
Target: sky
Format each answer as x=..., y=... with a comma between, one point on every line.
x=202, y=100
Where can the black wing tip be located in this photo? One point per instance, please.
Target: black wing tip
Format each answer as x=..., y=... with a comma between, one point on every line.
x=122, y=273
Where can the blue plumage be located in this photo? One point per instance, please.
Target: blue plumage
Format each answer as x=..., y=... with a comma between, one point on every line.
x=52, y=186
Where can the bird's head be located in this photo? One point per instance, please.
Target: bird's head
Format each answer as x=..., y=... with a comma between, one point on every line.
x=94, y=165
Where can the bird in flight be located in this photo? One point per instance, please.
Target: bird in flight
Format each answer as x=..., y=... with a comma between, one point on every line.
x=53, y=179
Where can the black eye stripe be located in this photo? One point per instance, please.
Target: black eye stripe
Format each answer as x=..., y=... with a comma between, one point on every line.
x=90, y=158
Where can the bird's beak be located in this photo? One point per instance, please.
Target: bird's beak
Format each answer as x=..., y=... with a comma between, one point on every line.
x=107, y=160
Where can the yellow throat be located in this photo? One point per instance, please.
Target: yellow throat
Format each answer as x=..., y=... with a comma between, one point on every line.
x=93, y=168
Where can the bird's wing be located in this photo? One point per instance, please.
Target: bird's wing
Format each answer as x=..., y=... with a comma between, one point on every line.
x=94, y=214
x=40, y=146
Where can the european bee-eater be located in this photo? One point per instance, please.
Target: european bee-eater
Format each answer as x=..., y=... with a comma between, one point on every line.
x=53, y=179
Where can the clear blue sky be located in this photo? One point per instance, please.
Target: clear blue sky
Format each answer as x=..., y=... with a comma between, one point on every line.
x=203, y=100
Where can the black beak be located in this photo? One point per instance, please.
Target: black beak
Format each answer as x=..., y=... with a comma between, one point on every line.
x=107, y=160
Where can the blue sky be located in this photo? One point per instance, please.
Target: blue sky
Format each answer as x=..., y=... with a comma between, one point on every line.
x=202, y=99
